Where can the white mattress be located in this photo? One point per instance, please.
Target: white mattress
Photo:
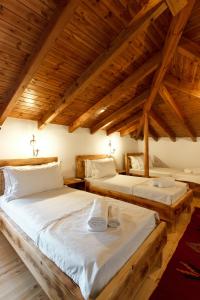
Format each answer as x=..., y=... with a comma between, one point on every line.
x=57, y=223
x=182, y=176
x=140, y=186
x=157, y=172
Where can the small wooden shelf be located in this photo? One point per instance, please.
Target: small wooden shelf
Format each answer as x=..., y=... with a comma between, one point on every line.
x=76, y=183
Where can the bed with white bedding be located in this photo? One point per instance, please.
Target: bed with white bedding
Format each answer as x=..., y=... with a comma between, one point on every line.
x=168, y=202
x=154, y=172
x=48, y=229
x=58, y=218
x=134, y=165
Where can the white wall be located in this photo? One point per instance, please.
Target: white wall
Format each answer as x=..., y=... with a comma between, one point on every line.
x=54, y=140
x=180, y=154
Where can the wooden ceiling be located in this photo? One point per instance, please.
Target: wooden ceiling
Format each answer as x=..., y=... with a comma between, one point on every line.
x=102, y=64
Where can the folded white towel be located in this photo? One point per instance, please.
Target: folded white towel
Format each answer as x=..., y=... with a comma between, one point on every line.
x=163, y=182
x=98, y=217
x=113, y=216
x=187, y=171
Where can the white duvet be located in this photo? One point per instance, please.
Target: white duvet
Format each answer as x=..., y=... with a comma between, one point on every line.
x=157, y=172
x=141, y=187
x=56, y=221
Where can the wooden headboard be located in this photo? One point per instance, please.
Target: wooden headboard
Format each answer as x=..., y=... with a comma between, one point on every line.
x=80, y=163
x=127, y=160
x=22, y=162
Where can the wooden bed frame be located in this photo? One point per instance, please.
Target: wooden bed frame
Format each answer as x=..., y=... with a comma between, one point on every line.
x=128, y=162
x=58, y=285
x=168, y=213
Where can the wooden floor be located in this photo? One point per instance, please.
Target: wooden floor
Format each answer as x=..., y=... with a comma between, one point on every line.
x=16, y=283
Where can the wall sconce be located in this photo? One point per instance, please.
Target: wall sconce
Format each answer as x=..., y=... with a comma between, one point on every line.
x=111, y=149
x=33, y=144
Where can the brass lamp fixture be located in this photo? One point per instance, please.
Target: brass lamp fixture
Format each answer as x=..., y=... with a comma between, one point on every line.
x=111, y=149
x=33, y=144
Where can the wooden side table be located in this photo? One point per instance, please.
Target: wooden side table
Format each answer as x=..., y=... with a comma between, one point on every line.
x=76, y=183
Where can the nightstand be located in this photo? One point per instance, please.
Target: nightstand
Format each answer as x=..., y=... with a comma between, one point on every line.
x=76, y=183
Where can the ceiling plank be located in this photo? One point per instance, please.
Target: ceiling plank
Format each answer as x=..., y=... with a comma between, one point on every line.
x=162, y=125
x=169, y=100
x=189, y=49
x=191, y=89
x=122, y=111
x=104, y=60
x=176, y=6
x=129, y=130
x=111, y=98
x=61, y=17
x=172, y=39
x=125, y=124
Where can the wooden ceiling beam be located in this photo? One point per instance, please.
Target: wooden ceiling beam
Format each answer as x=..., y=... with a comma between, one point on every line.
x=120, y=43
x=176, y=6
x=188, y=88
x=169, y=100
x=125, y=124
x=61, y=17
x=147, y=68
x=129, y=130
x=162, y=125
x=132, y=104
x=153, y=133
x=189, y=49
x=175, y=31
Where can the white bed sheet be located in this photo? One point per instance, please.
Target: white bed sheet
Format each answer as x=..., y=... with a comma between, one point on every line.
x=182, y=176
x=157, y=172
x=56, y=221
x=140, y=186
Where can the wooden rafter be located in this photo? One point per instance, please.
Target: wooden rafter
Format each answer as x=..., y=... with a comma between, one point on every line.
x=104, y=61
x=121, y=112
x=191, y=89
x=169, y=100
x=162, y=125
x=129, y=130
x=125, y=124
x=173, y=36
x=111, y=98
x=153, y=133
x=189, y=49
x=55, y=27
x=176, y=6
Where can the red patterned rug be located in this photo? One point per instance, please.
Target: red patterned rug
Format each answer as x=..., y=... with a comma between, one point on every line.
x=181, y=279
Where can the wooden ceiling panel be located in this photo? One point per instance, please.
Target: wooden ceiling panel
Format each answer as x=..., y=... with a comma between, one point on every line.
x=192, y=30
x=92, y=60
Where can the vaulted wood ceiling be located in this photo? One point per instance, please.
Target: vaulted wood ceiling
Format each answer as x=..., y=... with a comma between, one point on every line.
x=102, y=65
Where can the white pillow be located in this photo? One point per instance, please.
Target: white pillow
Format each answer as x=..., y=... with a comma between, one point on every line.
x=89, y=165
x=137, y=162
x=29, y=180
x=103, y=168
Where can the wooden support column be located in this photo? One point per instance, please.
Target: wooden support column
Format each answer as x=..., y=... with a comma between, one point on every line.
x=146, y=145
